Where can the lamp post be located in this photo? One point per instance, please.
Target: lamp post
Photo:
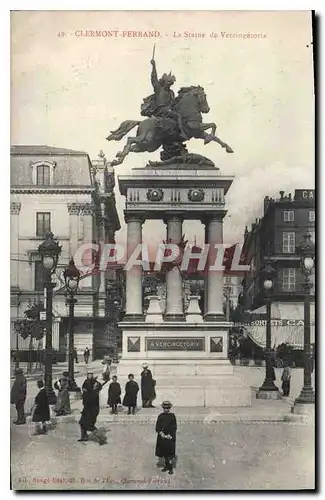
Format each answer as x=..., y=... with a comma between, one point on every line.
x=71, y=277
x=268, y=390
x=17, y=352
x=49, y=251
x=307, y=253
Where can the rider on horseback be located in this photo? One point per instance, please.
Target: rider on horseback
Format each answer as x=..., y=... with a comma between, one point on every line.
x=160, y=103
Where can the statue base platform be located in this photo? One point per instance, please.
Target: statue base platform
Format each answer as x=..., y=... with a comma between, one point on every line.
x=189, y=362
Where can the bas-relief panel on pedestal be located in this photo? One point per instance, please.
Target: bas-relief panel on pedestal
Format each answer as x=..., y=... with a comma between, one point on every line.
x=133, y=344
x=216, y=344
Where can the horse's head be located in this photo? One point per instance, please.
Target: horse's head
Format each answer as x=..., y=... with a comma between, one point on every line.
x=191, y=102
x=202, y=99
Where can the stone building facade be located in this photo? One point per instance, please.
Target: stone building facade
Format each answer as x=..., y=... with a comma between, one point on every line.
x=277, y=235
x=63, y=191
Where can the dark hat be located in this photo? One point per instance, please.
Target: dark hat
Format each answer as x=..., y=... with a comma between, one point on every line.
x=167, y=405
x=65, y=374
x=18, y=371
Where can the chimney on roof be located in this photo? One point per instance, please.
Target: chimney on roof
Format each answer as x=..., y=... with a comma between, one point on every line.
x=266, y=203
x=281, y=194
x=290, y=197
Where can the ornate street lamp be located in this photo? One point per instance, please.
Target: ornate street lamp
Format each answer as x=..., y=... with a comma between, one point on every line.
x=71, y=277
x=49, y=252
x=307, y=253
x=268, y=390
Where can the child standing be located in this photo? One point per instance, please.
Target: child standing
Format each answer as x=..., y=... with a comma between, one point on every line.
x=166, y=427
x=42, y=410
x=286, y=377
x=114, y=395
x=131, y=394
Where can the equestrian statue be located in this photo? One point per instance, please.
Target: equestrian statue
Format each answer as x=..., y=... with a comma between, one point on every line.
x=170, y=122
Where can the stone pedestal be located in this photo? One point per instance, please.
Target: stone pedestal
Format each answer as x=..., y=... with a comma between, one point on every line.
x=188, y=359
x=189, y=362
x=154, y=314
x=193, y=314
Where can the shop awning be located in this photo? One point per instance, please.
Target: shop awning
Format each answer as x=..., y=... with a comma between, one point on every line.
x=287, y=325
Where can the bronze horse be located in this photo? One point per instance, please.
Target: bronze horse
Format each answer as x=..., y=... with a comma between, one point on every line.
x=155, y=131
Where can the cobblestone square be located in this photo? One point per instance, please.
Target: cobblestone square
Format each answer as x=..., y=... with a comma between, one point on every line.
x=210, y=456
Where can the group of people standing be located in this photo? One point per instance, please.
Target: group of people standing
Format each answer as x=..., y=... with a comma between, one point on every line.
x=40, y=409
x=166, y=424
x=148, y=393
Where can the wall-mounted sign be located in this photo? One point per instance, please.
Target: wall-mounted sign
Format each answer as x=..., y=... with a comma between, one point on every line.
x=305, y=194
x=274, y=322
x=175, y=344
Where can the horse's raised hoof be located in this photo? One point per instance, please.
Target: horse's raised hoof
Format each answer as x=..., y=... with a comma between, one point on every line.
x=116, y=162
x=229, y=150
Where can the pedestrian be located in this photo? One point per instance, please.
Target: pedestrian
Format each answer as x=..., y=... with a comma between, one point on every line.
x=107, y=368
x=114, y=395
x=273, y=374
x=86, y=355
x=286, y=377
x=166, y=427
x=148, y=392
x=41, y=412
x=63, y=385
x=131, y=394
x=18, y=396
x=90, y=399
x=75, y=355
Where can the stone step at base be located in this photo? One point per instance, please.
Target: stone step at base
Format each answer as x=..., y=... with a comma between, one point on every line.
x=176, y=368
x=124, y=419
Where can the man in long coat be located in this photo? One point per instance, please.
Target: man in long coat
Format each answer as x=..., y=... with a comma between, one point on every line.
x=18, y=396
x=166, y=427
x=148, y=392
x=90, y=398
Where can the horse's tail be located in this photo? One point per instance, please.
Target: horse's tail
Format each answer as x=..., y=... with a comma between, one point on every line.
x=124, y=128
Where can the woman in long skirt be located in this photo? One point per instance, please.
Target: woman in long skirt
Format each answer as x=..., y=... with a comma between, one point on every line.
x=63, y=398
x=148, y=392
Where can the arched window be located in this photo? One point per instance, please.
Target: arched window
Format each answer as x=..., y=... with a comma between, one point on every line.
x=43, y=172
x=43, y=175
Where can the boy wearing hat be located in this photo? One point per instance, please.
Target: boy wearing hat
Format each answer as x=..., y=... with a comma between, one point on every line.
x=166, y=427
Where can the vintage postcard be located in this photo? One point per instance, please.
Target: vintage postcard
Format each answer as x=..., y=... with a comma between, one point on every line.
x=162, y=258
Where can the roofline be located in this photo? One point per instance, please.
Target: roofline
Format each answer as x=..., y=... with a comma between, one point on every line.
x=54, y=153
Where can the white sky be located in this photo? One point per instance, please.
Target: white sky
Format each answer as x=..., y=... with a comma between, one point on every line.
x=70, y=92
